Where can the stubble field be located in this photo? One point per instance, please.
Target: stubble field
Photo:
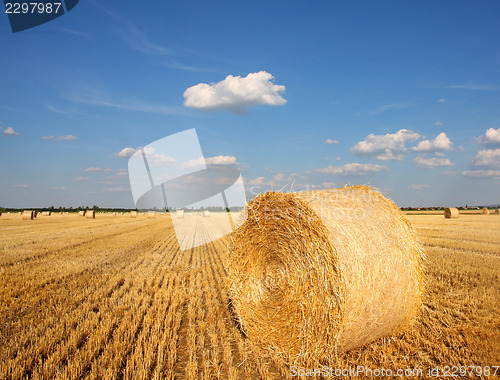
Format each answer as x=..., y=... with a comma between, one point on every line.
x=115, y=298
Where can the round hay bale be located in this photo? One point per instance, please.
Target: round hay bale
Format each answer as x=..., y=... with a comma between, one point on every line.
x=485, y=211
x=90, y=214
x=81, y=213
x=151, y=214
x=206, y=214
x=28, y=215
x=133, y=214
x=451, y=212
x=179, y=214
x=496, y=212
x=319, y=272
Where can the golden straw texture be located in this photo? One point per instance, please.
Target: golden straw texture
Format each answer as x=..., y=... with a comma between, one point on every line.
x=485, y=211
x=319, y=272
x=451, y=212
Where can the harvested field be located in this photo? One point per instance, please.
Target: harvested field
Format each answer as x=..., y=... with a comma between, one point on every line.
x=116, y=299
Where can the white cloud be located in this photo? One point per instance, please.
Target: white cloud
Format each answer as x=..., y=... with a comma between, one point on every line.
x=216, y=160
x=418, y=186
x=441, y=100
x=81, y=178
x=235, y=93
x=439, y=154
x=59, y=188
x=438, y=123
x=490, y=138
x=126, y=152
x=353, y=169
x=157, y=158
x=60, y=138
x=331, y=142
x=428, y=163
x=10, y=132
x=122, y=172
x=21, y=186
x=97, y=169
x=259, y=181
x=116, y=189
x=391, y=146
x=472, y=86
x=221, y=160
x=487, y=157
x=482, y=173
x=440, y=143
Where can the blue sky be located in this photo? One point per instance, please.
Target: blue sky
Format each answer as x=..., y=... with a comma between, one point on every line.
x=406, y=93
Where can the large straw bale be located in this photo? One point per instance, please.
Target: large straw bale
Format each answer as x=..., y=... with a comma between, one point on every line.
x=151, y=214
x=451, y=212
x=81, y=213
x=485, y=211
x=28, y=214
x=133, y=214
x=319, y=272
x=179, y=214
x=90, y=214
x=497, y=211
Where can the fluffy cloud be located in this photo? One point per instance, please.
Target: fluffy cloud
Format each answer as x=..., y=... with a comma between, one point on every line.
x=221, y=160
x=259, y=181
x=490, y=138
x=122, y=172
x=126, y=152
x=81, y=178
x=60, y=138
x=235, y=93
x=418, y=186
x=331, y=142
x=487, y=157
x=96, y=169
x=429, y=163
x=438, y=123
x=216, y=160
x=481, y=173
x=440, y=143
x=441, y=100
x=10, y=132
x=353, y=169
x=391, y=146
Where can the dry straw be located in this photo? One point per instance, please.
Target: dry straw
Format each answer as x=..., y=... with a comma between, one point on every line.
x=151, y=214
x=485, y=211
x=179, y=214
x=90, y=214
x=133, y=214
x=314, y=273
x=81, y=213
x=28, y=215
x=451, y=212
x=497, y=211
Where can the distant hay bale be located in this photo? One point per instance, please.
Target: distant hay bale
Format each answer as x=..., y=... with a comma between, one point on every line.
x=90, y=214
x=151, y=214
x=319, y=272
x=451, y=212
x=28, y=215
x=497, y=211
x=485, y=211
x=81, y=213
x=206, y=214
x=133, y=214
x=179, y=214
